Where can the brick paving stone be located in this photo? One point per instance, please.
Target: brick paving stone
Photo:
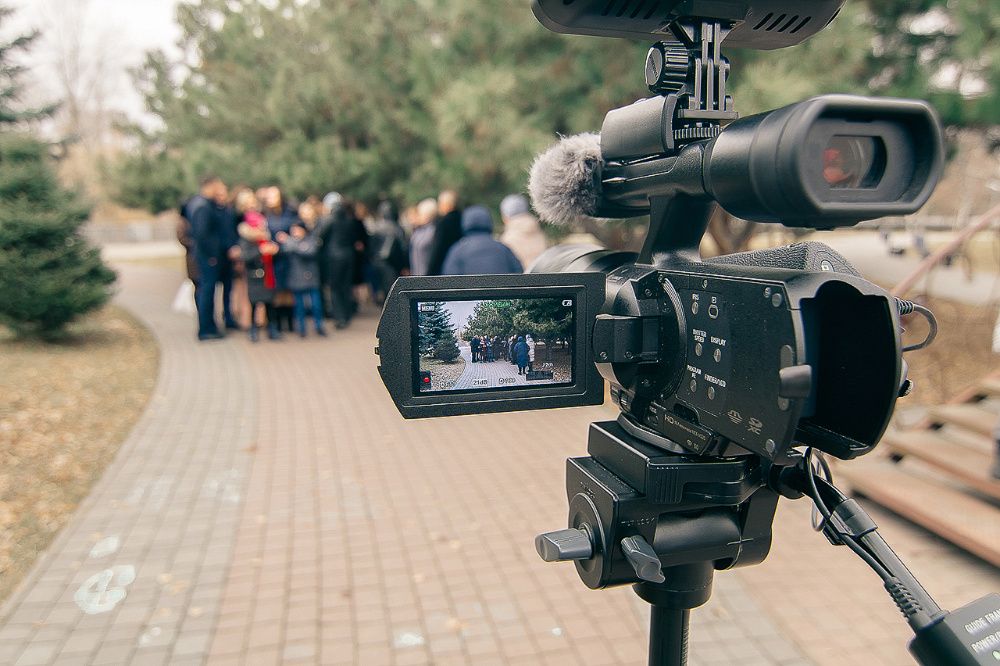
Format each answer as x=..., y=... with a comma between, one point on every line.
x=37, y=653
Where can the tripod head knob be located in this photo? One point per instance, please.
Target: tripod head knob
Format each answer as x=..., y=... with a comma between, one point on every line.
x=643, y=559
x=564, y=545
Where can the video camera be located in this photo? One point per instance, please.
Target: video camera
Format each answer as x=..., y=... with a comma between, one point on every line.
x=749, y=352
x=723, y=369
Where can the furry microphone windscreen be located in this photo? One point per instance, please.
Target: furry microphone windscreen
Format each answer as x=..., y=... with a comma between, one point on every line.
x=565, y=180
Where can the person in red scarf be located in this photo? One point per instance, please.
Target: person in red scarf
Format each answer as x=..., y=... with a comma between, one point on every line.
x=258, y=251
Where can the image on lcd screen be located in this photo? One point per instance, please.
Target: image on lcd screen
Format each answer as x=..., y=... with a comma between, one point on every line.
x=493, y=344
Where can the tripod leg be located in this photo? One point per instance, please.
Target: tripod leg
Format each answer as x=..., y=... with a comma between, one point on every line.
x=668, y=636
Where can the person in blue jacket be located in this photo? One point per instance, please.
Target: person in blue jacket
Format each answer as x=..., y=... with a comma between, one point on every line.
x=477, y=252
x=214, y=241
x=520, y=355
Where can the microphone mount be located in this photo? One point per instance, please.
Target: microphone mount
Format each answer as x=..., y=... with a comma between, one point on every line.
x=689, y=76
x=693, y=70
x=654, y=137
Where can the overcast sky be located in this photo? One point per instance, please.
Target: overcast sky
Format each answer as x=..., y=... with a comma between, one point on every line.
x=461, y=312
x=121, y=29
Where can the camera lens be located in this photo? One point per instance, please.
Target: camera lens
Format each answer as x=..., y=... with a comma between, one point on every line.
x=853, y=162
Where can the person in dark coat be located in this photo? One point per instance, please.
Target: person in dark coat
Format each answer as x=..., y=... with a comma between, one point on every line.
x=520, y=355
x=474, y=346
x=422, y=237
x=323, y=226
x=258, y=252
x=447, y=230
x=185, y=238
x=501, y=346
x=302, y=249
x=227, y=266
x=478, y=253
x=280, y=216
x=339, y=246
x=362, y=263
x=213, y=245
x=389, y=255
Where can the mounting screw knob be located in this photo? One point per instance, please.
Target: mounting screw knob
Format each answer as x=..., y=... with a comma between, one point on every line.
x=643, y=559
x=667, y=66
x=564, y=545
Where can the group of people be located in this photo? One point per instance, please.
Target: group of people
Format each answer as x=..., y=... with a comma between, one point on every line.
x=447, y=240
x=519, y=350
x=289, y=266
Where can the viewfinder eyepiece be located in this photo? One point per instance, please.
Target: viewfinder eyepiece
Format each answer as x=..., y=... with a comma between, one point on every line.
x=830, y=161
x=854, y=162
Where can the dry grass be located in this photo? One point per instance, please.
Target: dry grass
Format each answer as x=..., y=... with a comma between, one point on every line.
x=64, y=411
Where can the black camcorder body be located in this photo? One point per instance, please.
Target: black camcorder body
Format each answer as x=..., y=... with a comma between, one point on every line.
x=707, y=358
x=756, y=353
x=750, y=357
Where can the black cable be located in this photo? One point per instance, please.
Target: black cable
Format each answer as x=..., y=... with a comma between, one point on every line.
x=818, y=525
x=906, y=591
x=811, y=476
x=909, y=307
x=848, y=540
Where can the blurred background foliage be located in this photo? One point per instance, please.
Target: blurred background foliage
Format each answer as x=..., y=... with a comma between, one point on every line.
x=403, y=97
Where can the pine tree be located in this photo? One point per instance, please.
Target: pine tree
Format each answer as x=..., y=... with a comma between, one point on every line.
x=49, y=273
x=437, y=333
x=446, y=349
x=10, y=77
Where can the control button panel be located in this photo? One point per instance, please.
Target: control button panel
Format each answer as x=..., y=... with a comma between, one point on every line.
x=709, y=364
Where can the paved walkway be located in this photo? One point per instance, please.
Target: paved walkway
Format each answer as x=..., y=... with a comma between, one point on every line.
x=137, y=572
x=271, y=506
x=491, y=375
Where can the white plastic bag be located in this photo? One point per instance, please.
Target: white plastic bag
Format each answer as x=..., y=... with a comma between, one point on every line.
x=184, y=300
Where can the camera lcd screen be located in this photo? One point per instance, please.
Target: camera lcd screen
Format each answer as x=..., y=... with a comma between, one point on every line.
x=484, y=345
